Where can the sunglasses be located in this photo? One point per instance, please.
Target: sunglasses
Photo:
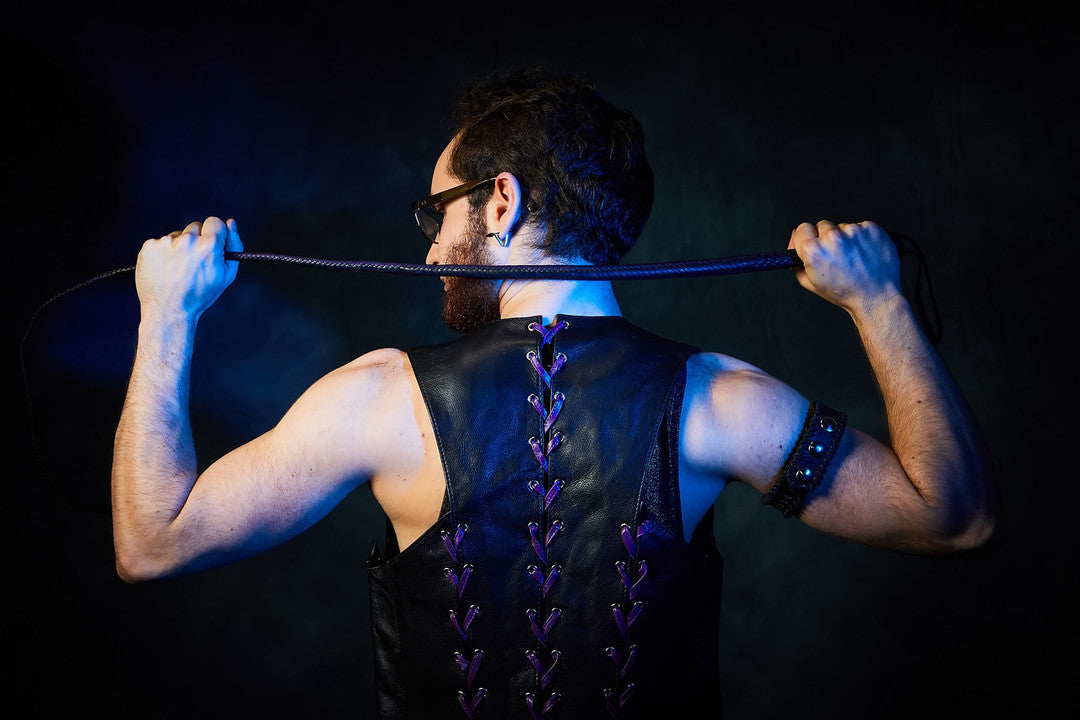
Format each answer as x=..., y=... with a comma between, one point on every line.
x=429, y=213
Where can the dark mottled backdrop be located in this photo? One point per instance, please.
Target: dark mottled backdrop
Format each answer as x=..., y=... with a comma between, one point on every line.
x=317, y=127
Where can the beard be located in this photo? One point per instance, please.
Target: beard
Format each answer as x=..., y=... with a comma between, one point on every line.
x=469, y=303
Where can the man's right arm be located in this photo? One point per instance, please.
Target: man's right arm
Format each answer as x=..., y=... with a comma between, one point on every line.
x=168, y=519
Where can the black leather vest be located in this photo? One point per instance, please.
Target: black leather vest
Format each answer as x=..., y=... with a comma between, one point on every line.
x=556, y=582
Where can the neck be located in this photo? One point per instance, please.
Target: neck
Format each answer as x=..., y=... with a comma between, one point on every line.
x=548, y=298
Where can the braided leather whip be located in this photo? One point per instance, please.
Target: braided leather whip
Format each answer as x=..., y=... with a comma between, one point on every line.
x=753, y=262
x=732, y=265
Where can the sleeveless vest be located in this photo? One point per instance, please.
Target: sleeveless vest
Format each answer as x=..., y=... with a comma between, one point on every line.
x=556, y=582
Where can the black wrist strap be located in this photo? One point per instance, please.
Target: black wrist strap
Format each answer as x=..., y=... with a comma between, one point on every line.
x=806, y=465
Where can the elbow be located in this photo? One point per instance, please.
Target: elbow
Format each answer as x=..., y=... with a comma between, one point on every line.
x=981, y=519
x=973, y=536
x=967, y=529
x=134, y=569
x=958, y=515
x=137, y=563
x=130, y=573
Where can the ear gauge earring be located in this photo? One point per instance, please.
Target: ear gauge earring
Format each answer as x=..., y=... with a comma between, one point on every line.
x=504, y=240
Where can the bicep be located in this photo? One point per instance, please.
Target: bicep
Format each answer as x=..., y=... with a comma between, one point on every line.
x=866, y=496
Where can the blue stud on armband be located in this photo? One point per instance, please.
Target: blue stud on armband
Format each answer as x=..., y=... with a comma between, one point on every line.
x=805, y=466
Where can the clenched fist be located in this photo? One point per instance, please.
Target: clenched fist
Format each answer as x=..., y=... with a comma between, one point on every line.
x=181, y=274
x=853, y=265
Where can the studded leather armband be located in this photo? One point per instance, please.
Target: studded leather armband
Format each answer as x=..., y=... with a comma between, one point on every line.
x=806, y=465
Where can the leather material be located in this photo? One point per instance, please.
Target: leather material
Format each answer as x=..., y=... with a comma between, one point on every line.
x=556, y=582
x=805, y=466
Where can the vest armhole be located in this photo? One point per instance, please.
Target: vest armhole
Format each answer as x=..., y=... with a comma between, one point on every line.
x=659, y=496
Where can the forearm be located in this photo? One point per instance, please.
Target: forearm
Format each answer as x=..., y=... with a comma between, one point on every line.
x=931, y=428
x=154, y=462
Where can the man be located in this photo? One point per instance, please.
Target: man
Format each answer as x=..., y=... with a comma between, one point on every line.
x=549, y=477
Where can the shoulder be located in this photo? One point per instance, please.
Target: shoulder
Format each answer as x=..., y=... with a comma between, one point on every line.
x=737, y=419
x=724, y=392
x=355, y=419
x=383, y=366
x=374, y=374
x=720, y=380
x=363, y=396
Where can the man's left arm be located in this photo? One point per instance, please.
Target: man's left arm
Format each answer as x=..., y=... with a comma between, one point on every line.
x=927, y=490
x=934, y=470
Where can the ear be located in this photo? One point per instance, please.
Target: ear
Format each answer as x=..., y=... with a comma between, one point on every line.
x=504, y=210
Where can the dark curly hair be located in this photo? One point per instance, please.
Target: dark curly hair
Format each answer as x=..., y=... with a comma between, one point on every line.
x=579, y=160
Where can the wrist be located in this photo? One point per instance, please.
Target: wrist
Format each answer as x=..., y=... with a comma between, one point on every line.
x=166, y=338
x=881, y=310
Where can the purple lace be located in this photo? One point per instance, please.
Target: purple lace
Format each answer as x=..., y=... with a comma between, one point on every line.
x=632, y=572
x=542, y=619
x=462, y=617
